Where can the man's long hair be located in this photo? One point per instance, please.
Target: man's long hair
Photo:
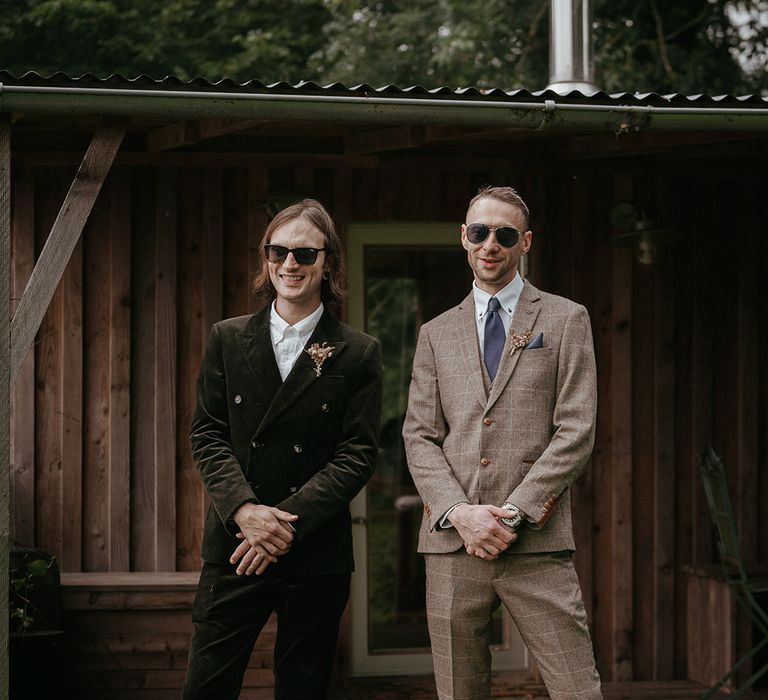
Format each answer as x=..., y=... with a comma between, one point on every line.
x=332, y=288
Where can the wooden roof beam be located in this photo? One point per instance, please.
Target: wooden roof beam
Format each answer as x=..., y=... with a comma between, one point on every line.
x=394, y=138
x=186, y=133
x=398, y=138
x=436, y=134
x=171, y=136
x=652, y=142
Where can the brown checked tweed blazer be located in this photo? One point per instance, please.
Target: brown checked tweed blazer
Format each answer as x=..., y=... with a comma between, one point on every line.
x=522, y=439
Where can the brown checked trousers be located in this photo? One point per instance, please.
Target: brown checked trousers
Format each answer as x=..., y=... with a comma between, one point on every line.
x=522, y=439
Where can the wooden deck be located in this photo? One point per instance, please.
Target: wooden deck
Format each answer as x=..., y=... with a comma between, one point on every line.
x=423, y=689
x=513, y=687
x=128, y=635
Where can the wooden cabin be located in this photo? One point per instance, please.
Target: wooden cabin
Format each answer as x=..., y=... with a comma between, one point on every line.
x=646, y=209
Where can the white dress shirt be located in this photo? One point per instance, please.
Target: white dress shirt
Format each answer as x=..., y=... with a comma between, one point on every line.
x=288, y=341
x=508, y=298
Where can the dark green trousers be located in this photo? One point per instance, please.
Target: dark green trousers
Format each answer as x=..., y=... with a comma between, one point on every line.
x=229, y=613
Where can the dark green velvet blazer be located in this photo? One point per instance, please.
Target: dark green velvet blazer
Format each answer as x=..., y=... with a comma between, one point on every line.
x=306, y=445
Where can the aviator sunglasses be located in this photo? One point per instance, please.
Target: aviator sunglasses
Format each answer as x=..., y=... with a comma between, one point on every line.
x=507, y=236
x=303, y=256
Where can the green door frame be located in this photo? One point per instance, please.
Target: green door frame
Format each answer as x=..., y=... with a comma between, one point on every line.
x=512, y=655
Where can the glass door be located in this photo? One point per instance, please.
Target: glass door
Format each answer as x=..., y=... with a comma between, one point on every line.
x=400, y=276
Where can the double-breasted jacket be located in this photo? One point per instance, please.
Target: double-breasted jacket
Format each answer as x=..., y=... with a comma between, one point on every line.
x=306, y=445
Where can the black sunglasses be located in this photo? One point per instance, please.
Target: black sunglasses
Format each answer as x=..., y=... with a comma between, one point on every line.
x=303, y=256
x=505, y=235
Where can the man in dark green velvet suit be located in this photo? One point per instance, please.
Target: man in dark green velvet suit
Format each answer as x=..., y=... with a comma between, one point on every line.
x=285, y=435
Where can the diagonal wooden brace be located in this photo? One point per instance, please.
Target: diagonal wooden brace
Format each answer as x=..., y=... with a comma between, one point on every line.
x=63, y=237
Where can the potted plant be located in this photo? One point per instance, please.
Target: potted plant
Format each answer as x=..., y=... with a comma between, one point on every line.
x=33, y=621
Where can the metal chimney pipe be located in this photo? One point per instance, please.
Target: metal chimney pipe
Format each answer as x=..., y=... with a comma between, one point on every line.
x=570, y=47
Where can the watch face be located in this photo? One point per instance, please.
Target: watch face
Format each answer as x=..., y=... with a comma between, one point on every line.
x=514, y=521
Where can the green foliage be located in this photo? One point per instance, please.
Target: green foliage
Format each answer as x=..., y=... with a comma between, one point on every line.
x=244, y=40
x=688, y=46
x=392, y=309
x=26, y=576
x=77, y=36
x=494, y=43
x=435, y=42
x=238, y=39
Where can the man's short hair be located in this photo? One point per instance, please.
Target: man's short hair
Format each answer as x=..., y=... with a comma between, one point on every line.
x=508, y=195
x=332, y=288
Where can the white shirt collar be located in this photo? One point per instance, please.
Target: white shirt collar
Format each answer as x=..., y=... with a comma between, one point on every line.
x=278, y=325
x=507, y=296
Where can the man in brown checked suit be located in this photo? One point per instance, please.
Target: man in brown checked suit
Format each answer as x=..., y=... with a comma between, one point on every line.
x=500, y=422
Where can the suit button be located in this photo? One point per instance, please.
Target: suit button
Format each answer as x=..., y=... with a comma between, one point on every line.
x=257, y=444
x=325, y=408
x=487, y=421
x=297, y=449
x=293, y=489
x=485, y=462
x=238, y=398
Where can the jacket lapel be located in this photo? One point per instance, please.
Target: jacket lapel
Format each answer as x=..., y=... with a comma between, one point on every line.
x=303, y=374
x=526, y=313
x=256, y=344
x=470, y=349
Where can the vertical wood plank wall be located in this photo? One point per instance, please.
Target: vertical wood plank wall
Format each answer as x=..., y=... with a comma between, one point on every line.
x=101, y=471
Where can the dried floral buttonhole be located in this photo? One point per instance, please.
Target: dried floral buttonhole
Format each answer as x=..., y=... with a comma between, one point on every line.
x=319, y=354
x=520, y=341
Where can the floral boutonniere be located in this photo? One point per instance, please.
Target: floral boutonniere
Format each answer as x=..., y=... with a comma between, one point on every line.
x=319, y=354
x=520, y=341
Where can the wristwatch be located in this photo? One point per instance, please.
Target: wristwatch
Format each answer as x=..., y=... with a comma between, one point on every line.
x=516, y=516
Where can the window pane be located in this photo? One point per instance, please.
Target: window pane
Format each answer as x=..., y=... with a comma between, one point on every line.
x=404, y=287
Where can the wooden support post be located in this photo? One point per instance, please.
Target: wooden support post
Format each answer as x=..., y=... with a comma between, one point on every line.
x=5, y=388
x=63, y=238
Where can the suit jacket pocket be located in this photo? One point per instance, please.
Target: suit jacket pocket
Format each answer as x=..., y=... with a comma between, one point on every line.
x=536, y=353
x=536, y=369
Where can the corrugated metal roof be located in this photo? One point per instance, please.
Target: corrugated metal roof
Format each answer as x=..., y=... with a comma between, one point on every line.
x=470, y=94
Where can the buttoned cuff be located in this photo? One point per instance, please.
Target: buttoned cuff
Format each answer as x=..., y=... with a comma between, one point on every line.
x=537, y=514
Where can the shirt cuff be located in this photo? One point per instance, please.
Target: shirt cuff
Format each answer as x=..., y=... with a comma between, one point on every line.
x=444, y=523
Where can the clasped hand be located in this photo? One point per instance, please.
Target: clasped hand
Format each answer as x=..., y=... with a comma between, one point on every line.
x=266, y=533
x=484, y=536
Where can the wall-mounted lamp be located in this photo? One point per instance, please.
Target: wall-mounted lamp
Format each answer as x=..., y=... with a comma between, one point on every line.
x=637, y=230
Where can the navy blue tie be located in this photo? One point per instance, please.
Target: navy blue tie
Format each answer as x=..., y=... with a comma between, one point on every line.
x=494, y=337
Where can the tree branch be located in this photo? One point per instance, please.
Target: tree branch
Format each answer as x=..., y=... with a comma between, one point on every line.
x=662, y=44
x=534, y=28
x=698, y=19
